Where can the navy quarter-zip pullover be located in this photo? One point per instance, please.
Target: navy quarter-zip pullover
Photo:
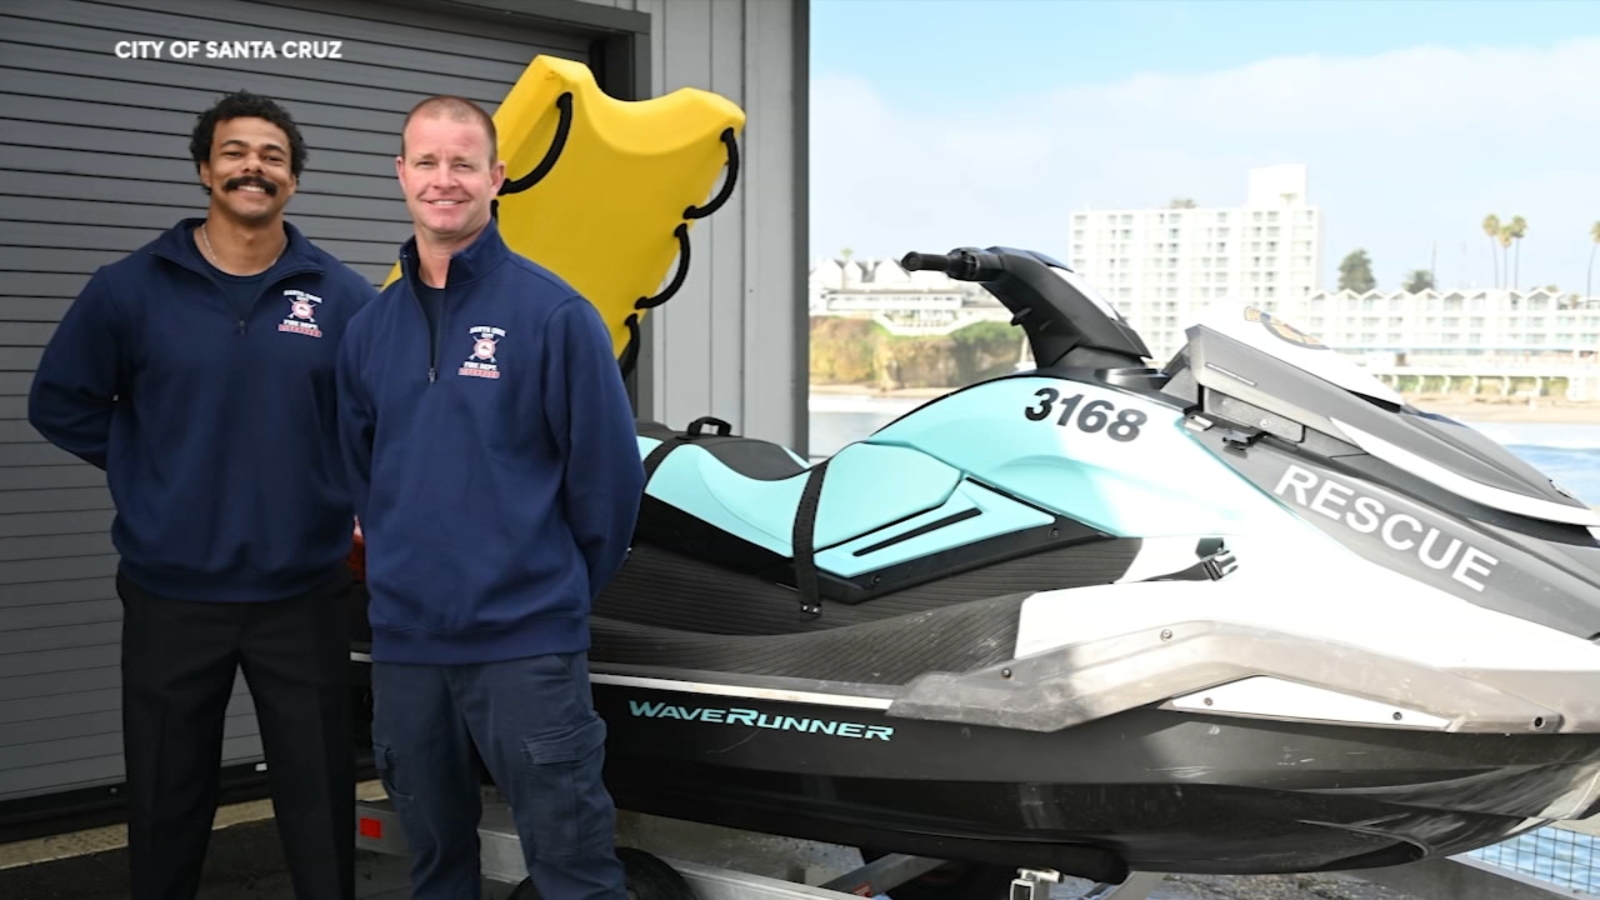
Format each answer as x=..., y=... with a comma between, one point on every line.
x=493, y=460
x=214, y=420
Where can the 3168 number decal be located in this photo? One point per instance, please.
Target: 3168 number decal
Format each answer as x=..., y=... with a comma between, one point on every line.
x=1090, y=418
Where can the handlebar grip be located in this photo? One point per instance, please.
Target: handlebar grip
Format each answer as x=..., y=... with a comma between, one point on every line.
x=931, y=262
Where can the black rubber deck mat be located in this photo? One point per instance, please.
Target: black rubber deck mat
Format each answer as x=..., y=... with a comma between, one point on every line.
x=955, y=638
x=670, y=590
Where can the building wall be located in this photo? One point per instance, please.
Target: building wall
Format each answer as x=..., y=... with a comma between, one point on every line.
x=733, y=342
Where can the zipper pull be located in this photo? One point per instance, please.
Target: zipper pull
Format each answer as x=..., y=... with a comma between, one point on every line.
x=432, y=374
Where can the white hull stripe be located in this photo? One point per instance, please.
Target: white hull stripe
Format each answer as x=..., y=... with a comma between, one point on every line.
x=753, y=693
x=723, y=690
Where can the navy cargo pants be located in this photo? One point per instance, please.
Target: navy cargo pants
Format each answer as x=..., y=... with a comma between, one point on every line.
x=534, y=725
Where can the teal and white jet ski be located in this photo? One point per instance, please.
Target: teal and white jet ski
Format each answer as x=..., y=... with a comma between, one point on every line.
x=1245, y=613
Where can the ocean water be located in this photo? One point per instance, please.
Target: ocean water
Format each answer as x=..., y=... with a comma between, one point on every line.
x=1569, y=454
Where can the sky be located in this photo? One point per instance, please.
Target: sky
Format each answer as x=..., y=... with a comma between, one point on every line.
x=944, y=123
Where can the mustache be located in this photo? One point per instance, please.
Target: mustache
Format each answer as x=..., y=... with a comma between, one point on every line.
x=233, y=184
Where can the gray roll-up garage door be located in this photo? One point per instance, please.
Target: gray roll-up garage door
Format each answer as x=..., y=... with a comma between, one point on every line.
x=93, y=164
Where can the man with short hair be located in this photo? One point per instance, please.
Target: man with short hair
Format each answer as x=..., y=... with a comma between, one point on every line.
x=495, y=467
x=198, y=372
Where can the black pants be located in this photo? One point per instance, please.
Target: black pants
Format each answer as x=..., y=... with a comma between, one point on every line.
x=178, y=664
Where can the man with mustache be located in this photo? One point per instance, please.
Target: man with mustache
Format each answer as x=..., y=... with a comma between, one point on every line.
x=198, y=372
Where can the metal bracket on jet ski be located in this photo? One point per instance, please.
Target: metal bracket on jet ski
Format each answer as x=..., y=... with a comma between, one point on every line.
x=1239, y=438
x=1220, y=566
x=1215, y=558
x=1216, y=562
x=1034, y=884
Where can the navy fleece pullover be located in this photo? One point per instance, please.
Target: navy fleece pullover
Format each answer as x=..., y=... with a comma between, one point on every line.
x=214, y=420
x=494, y=461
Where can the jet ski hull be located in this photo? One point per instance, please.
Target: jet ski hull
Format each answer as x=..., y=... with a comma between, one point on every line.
x=1146, y=790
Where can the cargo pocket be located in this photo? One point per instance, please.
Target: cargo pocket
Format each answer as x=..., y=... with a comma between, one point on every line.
x=383, y=760
x=569, y=811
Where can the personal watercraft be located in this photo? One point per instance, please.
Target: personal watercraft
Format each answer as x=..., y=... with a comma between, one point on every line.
x=1245, y=613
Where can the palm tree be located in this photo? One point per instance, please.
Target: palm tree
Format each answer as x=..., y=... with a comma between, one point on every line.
x=1518, y=228
x=1504, y=237
x=1491, y=227
x=1594, y=232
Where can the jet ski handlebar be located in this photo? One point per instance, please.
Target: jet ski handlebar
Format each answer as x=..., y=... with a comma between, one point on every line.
x=962, y=265
x=1065, y=327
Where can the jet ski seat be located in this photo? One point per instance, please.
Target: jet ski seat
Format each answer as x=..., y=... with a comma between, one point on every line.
x=750, y=457
x=721, y=496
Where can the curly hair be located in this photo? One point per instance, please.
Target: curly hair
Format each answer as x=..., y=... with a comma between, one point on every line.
x=243, y=104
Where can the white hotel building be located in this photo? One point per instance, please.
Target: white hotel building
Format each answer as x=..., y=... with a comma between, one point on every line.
x=1456, y=326
x=1161, y=267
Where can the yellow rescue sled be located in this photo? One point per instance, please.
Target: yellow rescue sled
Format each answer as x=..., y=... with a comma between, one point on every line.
x=603, y=191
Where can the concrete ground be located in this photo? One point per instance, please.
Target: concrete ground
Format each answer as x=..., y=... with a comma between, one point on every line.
x=243, y=862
